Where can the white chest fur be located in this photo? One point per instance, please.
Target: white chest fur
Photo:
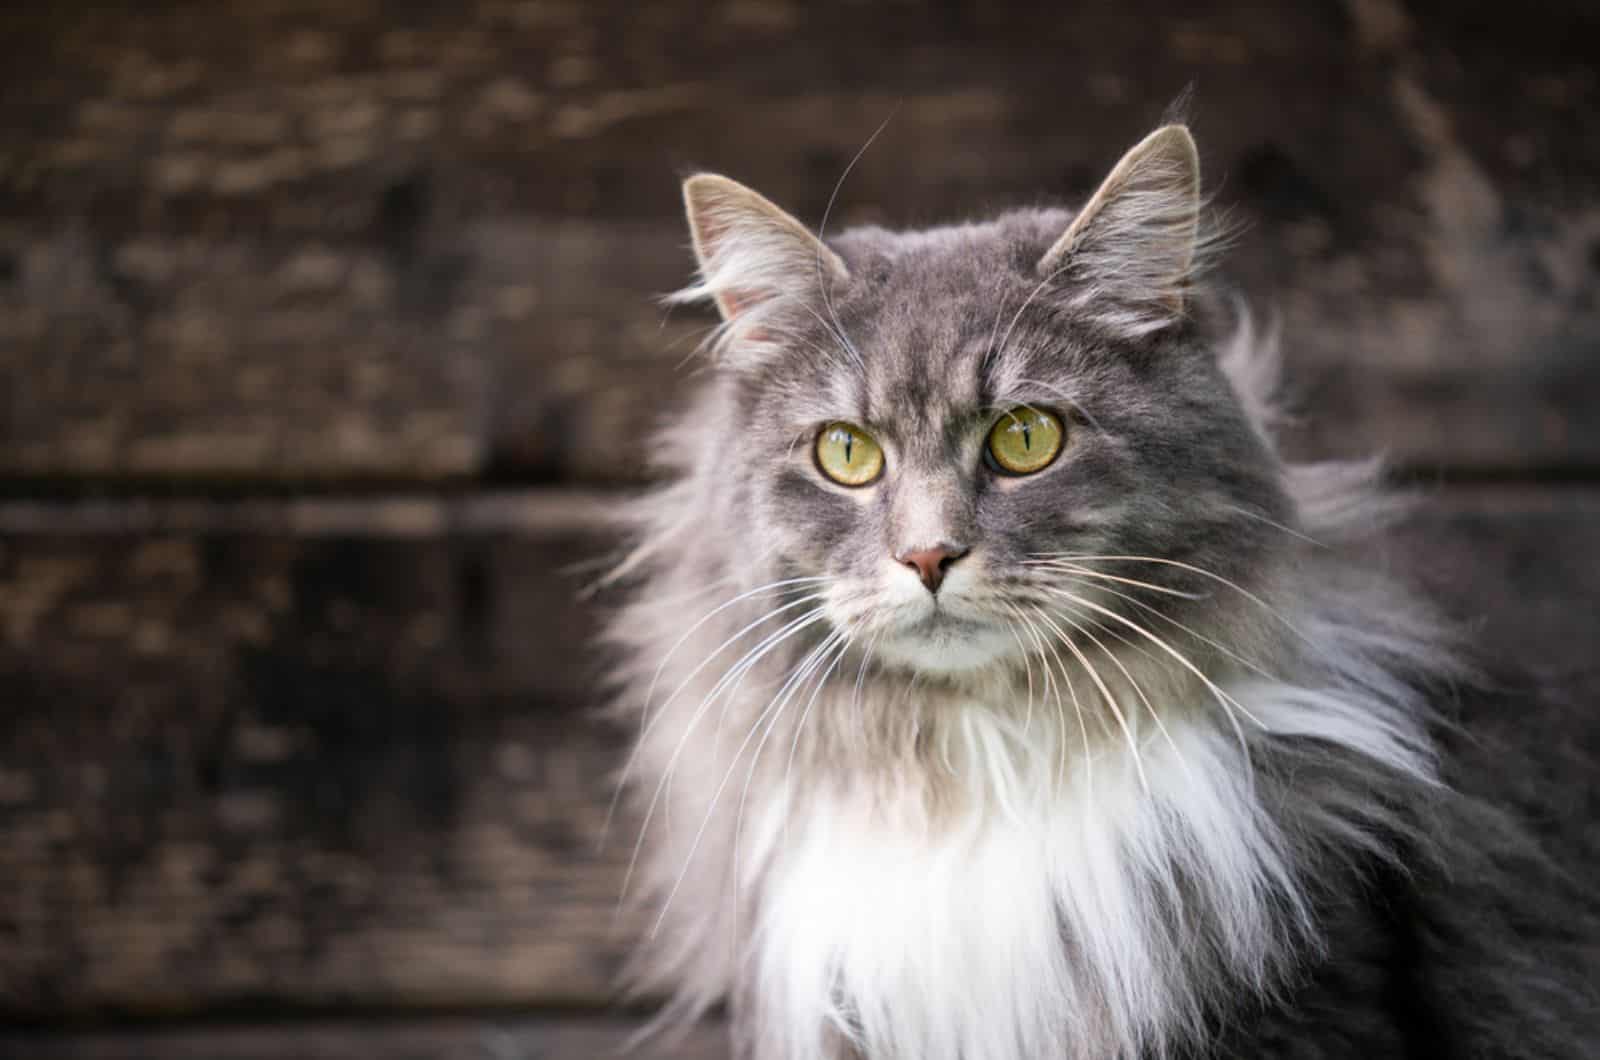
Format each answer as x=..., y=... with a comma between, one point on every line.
x=1038, y=920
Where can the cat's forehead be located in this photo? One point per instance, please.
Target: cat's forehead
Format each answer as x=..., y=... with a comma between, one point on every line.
x=932, y=307
x=950, y=257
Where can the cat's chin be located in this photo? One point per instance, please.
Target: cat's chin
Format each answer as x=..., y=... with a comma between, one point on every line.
x=945, y=646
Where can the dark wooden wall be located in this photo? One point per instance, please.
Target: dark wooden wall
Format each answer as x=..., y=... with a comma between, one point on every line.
x=327, y=330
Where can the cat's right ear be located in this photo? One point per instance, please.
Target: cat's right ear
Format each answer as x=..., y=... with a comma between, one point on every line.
x=1131, y=250
x=749, y=250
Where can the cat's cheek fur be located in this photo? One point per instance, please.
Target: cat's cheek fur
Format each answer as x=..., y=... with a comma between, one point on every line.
x=818, y=525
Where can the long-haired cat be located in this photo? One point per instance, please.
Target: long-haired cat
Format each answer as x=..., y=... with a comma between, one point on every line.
x=1002, y=693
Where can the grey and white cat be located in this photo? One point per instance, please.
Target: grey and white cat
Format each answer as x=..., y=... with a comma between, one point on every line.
x=1003, y=694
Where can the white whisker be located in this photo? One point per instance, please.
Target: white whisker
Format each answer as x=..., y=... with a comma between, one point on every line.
x=1291, y=531
x=1077, y=707
x=1215, y=645
x=822, y=231
x=1066, y=397
x=1228, y=702
x=1026, y=302
x=749, y=660
x=802, y=672
x=1183, y=660
x=861, y=673
x=800, y=724
x=780, y=699
x=647, y=724
x=1105, y=692
x=1103, y=576
x=1235, y=586
x=1027, y=666
x=1138, y=690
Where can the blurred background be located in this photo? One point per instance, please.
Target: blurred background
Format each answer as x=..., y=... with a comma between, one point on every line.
x=328, y=330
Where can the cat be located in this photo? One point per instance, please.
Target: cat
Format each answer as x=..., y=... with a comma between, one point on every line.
x=1001, y=692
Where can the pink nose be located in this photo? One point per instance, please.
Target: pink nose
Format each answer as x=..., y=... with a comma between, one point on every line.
x=931, y=563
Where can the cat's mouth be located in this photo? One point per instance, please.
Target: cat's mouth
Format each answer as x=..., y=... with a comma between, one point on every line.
x=942, y=623
x=942, y=642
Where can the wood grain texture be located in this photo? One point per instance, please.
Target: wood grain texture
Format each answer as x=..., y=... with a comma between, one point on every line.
x=263, y=746
x=258, y=760
x=450, y=1039
x=423, y=240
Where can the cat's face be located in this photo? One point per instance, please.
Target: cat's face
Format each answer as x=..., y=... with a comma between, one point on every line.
x=965, y=430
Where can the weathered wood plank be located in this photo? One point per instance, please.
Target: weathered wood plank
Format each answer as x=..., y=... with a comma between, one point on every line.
x=349, y=239
x=510, y=1038
x=258, y=756
x=281, y=739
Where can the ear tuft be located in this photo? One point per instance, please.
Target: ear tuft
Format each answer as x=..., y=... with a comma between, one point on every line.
x=1131, y=249
x=749, y=250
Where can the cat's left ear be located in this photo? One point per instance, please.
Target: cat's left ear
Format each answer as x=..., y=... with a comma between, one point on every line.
x=749, y=250
x=1131, y=249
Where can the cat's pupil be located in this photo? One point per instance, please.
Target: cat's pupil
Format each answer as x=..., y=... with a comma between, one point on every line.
x=1027, y=437
x=849, y=446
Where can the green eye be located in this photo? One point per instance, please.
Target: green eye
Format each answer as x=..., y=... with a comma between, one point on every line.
x=847, y=455
x=1025, y=440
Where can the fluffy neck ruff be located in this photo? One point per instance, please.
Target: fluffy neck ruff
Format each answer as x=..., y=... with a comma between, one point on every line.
x=1010, y=895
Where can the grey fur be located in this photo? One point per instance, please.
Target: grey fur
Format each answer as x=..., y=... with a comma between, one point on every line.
x=1413, y=919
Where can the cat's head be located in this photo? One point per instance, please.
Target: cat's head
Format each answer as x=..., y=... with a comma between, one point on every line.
x=961, y=429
